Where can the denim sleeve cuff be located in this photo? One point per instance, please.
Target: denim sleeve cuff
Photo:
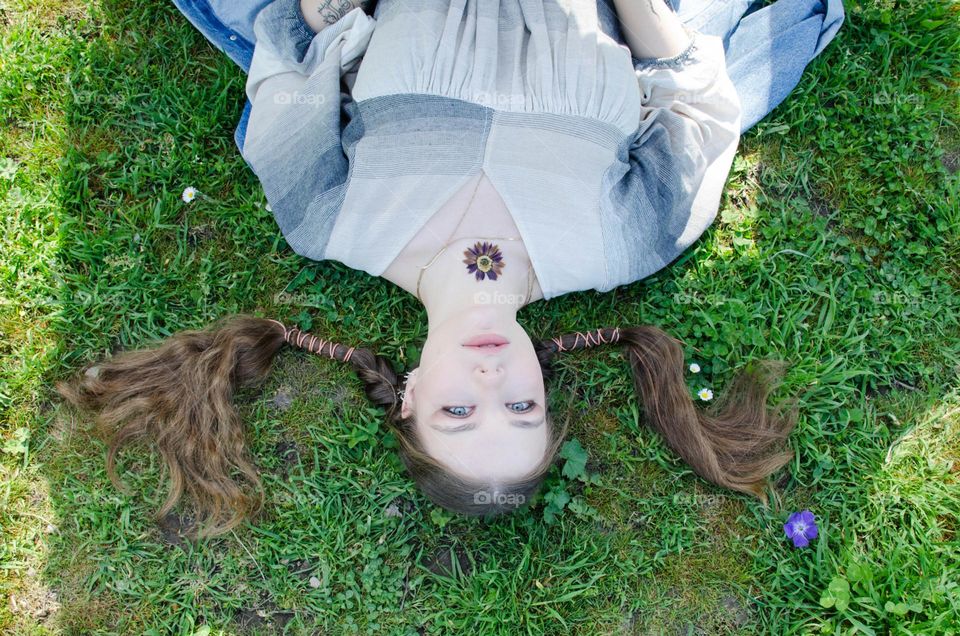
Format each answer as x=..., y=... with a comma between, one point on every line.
x=675, y=62
x=287, y=28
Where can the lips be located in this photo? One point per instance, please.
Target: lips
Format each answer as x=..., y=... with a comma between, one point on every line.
x=487, y=342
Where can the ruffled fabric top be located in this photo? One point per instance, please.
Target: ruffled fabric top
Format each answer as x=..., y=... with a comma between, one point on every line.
x=535, y=56
x=611, y=166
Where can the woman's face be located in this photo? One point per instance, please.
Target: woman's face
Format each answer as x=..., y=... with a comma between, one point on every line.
x=480, y=411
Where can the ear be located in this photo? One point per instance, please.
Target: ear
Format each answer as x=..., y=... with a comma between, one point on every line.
x=406, y=409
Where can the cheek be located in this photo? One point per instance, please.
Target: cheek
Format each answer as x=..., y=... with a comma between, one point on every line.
x=438, y=357
x=441, y=376
x=531, y=368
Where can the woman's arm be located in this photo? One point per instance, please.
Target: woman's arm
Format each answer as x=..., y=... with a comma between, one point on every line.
x=298, y=111
x=651, y=29
x=688, y=126
x=320, y=14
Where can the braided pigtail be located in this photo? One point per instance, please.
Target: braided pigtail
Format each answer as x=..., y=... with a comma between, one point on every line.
x=380, y=381
x=737, y=443
x=178, y=397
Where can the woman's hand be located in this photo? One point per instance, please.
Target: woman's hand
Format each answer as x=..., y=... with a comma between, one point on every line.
x=320, y=14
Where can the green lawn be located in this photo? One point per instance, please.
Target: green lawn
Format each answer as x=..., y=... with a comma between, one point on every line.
x=836, y=249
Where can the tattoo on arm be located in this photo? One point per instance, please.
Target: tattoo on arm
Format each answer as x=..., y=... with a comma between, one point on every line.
x=332, y=10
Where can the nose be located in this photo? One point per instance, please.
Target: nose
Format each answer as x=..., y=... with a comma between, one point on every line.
x=489, y=370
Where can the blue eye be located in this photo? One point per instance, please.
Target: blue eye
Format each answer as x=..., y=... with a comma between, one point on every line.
x=523, y=410
x=464, y=411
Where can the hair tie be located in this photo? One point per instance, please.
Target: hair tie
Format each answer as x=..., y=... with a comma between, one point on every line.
x=296, y=337
x=283, y=328
x=590, y=339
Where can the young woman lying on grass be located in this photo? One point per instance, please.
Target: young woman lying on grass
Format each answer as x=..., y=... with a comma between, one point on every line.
x=481, y=156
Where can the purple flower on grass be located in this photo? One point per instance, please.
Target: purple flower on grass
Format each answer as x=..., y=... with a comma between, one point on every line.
x=484, y=260
x=801, y=527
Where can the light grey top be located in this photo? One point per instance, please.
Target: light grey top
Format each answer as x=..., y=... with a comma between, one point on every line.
x=610, y=166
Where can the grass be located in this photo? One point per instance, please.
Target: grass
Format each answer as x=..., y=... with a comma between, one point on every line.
x=836, y=249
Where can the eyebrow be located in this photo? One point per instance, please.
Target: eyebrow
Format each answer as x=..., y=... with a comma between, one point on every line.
x=469, y=426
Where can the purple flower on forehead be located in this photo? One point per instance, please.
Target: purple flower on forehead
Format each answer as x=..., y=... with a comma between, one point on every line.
x=484, y=259
x=801, y=527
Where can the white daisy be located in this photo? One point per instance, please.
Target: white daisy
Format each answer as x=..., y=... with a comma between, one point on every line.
x=694, y=367
x=189, y=194
x=705, y=394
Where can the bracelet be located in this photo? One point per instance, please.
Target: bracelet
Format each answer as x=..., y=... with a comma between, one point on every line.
x=671, y=62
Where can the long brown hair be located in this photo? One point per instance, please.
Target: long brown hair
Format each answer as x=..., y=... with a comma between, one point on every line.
x=178, y=396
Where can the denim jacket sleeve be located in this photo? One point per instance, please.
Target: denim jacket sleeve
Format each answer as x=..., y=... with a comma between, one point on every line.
x=293, y=136
x=687, y=136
